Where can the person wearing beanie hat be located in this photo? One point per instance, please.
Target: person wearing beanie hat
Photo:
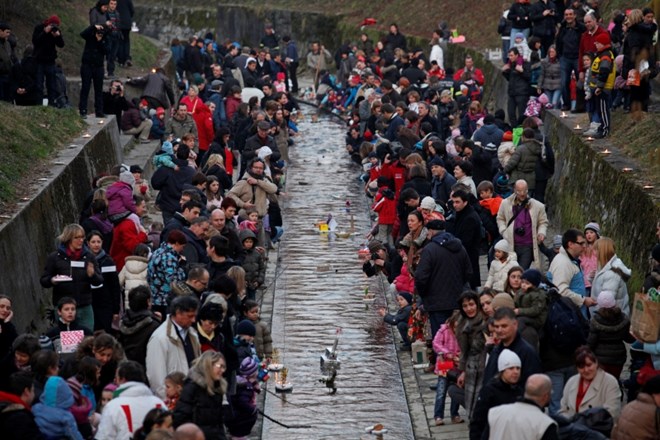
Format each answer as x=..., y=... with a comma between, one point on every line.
x=432, y=213
x=121, y=204
x=400, y=319
x=609, y=328
x=243, y=401
x=428, y=203
x=589, y=257
x=441, y=181
x=639, y=418
x=248, y=367
x=503, y=389
x=531, y=306
x=52, y=413
x=47, y=37
x=502, y=300
x=504, y=260
x=601, y=85
x=246, y=328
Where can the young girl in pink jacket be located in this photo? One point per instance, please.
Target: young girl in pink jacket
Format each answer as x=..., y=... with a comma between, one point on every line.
x=446, y=347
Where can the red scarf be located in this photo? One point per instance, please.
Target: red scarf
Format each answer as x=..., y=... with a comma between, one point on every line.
x=582, y=390
x=73, y=254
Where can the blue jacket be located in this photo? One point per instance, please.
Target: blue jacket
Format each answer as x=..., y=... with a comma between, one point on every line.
x=52, y=413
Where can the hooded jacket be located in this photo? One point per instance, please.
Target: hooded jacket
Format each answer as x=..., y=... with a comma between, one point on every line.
x=522, y=164
x=497, y=274
x=613, y=277
x=196, y=405
x=123, y=415
x=133, y=274
x=607, y=336
x=253, y=262
x=52, y=413
x=135, y=329
x=443, y=272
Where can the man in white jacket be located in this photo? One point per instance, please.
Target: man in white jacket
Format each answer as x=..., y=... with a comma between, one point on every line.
x=174, y=345
x=123, y=415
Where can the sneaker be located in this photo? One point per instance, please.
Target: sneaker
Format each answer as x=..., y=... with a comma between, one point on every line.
x=592, y=130
x=129, y=63
x=439, y=422
x=456, y=420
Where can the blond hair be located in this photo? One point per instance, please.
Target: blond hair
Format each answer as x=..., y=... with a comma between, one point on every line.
x=605, y=250
x=203, y=366
x=237, y=273
x=214, y=159
x=69, y=232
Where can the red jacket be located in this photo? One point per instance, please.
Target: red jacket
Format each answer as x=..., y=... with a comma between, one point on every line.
x=231, y=106
x=124, y=239
x=204, y=122
x=396, y=172
x=385, y=207
x=477, y=75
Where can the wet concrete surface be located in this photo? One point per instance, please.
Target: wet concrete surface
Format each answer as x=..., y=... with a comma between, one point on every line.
x=319, y=288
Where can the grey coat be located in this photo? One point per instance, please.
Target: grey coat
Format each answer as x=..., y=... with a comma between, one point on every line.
x=550, y=77
x=522, y=164
x=471, y=340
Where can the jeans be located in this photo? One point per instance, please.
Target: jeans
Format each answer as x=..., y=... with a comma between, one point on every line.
x=516, y=108
x=559, y=378
x=567, y=67
x=85, y=316
x=124, y=51
x=91, y=75
x=525, y=255
x=437, y=319
x=48, y=72
x=553, y=96
x=293, y=76
x=111, y=56
x=505, y=50
x=440, y=396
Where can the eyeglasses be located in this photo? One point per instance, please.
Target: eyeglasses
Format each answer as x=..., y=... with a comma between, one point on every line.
x=220, y=366
x=79, y=237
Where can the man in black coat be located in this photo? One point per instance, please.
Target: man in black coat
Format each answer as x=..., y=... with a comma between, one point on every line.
x=506, y=330
x=91, y=69
x=170, y=183
x=519, y=77
x=16, y=418
x=46, y=38
x=253, y=143
x=182, y=219
x=137, y=324
x=443, y=273
x=466, y=226
x=126, y=12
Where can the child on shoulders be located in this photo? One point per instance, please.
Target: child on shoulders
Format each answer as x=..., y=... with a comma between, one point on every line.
x=531, y=306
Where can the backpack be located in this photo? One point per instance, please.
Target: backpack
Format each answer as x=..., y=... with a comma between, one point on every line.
x=565, y=327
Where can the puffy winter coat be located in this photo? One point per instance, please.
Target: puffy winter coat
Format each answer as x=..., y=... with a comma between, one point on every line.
x=613, y=277
x=244, y=408
x=522, y=164
x=135, y=329
x=263, y=341
x=196, y=405
x=120, y=198
x=253, y=262
x=638, y=420
x=607, y=336
x=52, y=412
x=496, y=393
x=133, y=274
x=550, y=77
x=498, y=271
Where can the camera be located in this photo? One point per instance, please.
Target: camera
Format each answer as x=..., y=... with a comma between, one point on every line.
x=375, y=256
x=519, y=231
x=117, y=88
x=54, y=28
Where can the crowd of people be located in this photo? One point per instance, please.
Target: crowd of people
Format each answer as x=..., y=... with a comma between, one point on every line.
x=156, y=325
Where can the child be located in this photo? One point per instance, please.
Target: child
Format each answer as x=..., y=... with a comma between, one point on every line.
x=155, y=230
x=81, y=385
x=400, y=320
x=263, y=342
x=430, y=210
x=141, y=187
x=66, y=322
x=253, y=263
x=243, y=341
x=446, y=347
x=158, y=126
x=490, y=202
x=531, y=306
x=134, y=272
x=385, y=206
x=520, y=42
x=52, y=413
x=609, y=328
x=7, y=329
x=244, y=401
x=165, y=157
x=251, y=222
x=505, y=259
x=173, y=386
x=120, y=199
x=413, y=101
x=106, y=396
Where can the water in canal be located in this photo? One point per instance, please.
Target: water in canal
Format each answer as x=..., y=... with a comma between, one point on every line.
x=319, y=288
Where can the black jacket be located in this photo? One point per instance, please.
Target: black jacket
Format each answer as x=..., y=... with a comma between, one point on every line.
x=607, y=336
x=135, y=329
x=568, y=40
x=24, y=76
x=494, y=394
x=178, y=222
x=16, y=419
x=170, y=184
x=45, y=45
x=518, y=81
x=253, y=143
x=95, y=50
x=195, y=405
x=419, y=184
x=466, y=226
x=544, y=26
x=520, y=15
x=443, y=273
x=195, y=249
x=58, y=263
x=531, y=364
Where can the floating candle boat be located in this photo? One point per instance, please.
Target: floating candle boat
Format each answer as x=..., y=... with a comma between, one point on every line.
x=282, y=385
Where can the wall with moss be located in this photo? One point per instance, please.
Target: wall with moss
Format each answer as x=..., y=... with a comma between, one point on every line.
x=30, y=235
x=590, y=185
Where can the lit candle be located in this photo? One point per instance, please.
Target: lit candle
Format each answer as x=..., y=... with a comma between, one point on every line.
x=627, y=170
x=605, y=151
x=648, y=187
x=101, y=122
x=563, y=115
x=577, y=127
x=589, y=138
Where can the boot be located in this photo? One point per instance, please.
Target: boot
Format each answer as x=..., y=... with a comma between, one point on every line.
x=592, y=130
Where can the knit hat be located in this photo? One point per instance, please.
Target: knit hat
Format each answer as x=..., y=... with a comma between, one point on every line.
x=427, y=203
x=507, y=359
x=52, y=20
x=603, y=38
x=250, y=60
x=264, y=152
x=436, y=225
x=606, y=300
x=167, y=147
x=46, y=343
x=160, y=111
x=489, y=119
x=519, y=35
x=436, y=161
x=245, y=327
x=507, y=136
x=503, y=246
x=407, y=296
x=502, y=300
x=144, y=102
x=248, y=367
x=655, y=253
x=594, y=227
x=556, y=241
x=127, y=177
x=533, y=276
x=110, y=387
x=198, y=79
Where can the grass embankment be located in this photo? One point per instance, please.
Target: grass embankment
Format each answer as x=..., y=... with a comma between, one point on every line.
x=637, y=135
x=30, y=135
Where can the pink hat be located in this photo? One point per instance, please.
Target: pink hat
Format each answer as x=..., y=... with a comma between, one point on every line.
x=606, y=300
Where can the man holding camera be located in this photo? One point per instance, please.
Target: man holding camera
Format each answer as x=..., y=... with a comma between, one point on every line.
x=523, y=222
x=46, y=38
x=91, y=69
x=114, y=102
